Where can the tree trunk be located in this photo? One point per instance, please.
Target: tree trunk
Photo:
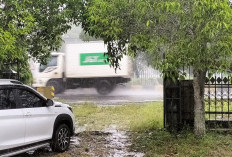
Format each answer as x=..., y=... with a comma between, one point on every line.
x=199, y=107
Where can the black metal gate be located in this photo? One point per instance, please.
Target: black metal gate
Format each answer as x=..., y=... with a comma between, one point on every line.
x=179, y=102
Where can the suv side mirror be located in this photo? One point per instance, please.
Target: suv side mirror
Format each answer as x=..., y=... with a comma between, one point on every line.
x=49, y=102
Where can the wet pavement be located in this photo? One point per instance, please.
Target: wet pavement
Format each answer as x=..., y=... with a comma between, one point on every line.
x=120, y=95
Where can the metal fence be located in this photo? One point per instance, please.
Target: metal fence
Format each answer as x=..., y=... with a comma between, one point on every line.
x=179, y=102
x=147, y=76
x=218, y=100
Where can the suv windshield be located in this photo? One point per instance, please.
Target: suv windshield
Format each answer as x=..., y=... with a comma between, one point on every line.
x=51, y=62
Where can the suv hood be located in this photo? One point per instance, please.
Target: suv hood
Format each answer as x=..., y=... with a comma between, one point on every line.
x=60, y=104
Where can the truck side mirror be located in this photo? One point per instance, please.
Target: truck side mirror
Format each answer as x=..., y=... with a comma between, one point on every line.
x=49, y=102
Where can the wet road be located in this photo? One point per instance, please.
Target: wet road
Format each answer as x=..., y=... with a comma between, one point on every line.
x=120, y=95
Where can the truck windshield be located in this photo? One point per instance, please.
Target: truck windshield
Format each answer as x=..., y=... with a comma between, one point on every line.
x=51, y=62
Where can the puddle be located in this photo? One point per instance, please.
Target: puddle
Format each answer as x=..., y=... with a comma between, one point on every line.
x=74, y=141
x=118, y=143
x=108, y=143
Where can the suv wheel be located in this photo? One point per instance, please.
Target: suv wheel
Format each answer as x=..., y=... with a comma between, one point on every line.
x=61, y=138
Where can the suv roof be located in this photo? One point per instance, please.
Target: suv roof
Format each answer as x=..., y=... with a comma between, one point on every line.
x=16, y=82
x=9, y=82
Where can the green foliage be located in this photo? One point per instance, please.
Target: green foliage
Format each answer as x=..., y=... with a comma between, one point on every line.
x=14, y=23
x=106, y=20
x=190, y=33
x=25, y=74
x=34, y=28
x=174, y=33
x=52, y=19
x=86, y=37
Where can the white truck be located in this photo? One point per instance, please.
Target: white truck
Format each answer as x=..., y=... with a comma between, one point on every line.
x=82, y=65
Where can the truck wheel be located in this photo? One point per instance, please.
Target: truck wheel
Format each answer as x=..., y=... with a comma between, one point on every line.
x=61, y=138
x=104, y=87
x=58, y=85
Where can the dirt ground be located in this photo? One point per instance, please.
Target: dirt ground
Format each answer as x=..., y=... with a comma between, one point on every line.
x=108, y=143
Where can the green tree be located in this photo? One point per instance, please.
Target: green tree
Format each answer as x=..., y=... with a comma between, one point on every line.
x=193, y=33
x=34, y=28
x=15, y=23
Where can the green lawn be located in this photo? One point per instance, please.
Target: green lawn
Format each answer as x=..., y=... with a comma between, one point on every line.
x=127, y=117
x=159, y=143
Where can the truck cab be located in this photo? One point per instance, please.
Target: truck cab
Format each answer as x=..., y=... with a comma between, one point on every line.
x=51, y=74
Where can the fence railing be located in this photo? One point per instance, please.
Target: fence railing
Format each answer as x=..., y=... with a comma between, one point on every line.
x=147, y=77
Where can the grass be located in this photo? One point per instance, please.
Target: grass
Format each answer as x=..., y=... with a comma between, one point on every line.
x=218, y=106
x=145, y=122
x=159, y=143
x=126, y=117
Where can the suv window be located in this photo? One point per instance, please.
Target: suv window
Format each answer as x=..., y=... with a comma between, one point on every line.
x=29, y=99
x=7, y=99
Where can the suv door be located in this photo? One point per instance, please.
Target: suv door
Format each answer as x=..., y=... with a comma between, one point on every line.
x=12, y=121
x=39, y=118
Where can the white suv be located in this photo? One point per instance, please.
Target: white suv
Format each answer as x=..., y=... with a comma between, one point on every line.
x=29, y=121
